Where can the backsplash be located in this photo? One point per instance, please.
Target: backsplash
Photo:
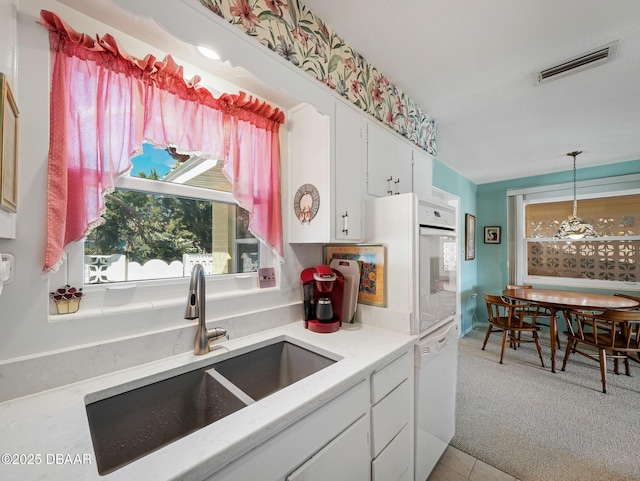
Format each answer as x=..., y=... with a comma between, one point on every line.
x=293, y=32
x=32, y=374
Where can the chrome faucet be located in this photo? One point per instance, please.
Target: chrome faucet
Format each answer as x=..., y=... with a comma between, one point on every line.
x=196, y=310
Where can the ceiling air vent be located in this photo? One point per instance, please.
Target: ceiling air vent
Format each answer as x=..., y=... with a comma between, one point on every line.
x=587, y=60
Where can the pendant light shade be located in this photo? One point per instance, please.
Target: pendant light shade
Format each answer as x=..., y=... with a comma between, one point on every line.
x=575, y=228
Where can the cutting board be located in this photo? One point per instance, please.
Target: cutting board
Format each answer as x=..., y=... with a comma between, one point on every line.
x=350, y=269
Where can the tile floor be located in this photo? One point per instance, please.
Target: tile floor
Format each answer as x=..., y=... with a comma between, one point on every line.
x=455, y=465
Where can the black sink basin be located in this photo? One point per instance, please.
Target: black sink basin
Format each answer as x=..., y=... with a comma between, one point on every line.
x=268, y=369
x=132, y=424
x=127, y=426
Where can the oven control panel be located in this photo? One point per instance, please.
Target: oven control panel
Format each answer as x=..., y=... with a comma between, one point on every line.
x=433, y=215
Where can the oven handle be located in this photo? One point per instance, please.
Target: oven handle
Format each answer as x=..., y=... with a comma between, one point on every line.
x=434, y=231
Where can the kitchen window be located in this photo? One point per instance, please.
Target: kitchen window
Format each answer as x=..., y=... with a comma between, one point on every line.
x=170, y=212
x=610, y=261
x=163, y=217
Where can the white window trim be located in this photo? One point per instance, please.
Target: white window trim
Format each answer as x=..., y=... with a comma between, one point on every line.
x=606, y=187
x=101, y=299
x=169, y=188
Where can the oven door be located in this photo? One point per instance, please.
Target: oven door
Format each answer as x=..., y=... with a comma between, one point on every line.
x=438, y=259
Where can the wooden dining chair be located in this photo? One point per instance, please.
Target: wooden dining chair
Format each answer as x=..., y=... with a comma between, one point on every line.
x=506, y=317
x=637, y=299
x=615, y=334
x=536, y=312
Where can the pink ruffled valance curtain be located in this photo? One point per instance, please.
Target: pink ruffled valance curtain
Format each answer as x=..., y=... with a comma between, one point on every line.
x=105, y=104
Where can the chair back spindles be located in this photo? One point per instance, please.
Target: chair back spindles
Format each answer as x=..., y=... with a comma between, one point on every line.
x=535, y=312
x=615, y=334
x=508, y=318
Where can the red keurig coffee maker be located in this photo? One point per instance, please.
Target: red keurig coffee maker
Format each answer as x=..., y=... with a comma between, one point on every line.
x=323, y=296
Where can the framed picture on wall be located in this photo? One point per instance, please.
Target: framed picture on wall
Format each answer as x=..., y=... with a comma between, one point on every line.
x=469, y=237
x=492, y=235
x=8, y=147
x=371, y=260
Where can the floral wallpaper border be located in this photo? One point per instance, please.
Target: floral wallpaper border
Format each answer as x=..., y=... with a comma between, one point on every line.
x=293, y=32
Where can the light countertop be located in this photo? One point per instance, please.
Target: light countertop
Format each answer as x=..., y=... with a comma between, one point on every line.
x=46, y=435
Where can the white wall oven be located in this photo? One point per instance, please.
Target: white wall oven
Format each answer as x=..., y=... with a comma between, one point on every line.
x=438, y=265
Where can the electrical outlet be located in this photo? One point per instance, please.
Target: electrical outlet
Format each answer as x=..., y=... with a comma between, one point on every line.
x=266, y=277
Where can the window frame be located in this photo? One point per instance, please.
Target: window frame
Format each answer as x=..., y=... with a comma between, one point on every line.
x=158, y=292
x=517, y=244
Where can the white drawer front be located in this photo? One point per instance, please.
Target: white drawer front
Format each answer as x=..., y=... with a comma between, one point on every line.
x=394, y=462
x=383, y=381
x=345, y=457
x=389, y=416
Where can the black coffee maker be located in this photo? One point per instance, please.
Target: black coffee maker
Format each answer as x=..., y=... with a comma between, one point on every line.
x=323, y=296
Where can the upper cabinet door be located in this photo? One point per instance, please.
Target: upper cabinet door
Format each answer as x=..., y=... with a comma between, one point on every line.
x=350, y=169
x=422, y=173
x=327, y=186
x=309, y=175
x=388, y=163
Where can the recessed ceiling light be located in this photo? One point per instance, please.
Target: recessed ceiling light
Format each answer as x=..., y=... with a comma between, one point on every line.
x=207, y=52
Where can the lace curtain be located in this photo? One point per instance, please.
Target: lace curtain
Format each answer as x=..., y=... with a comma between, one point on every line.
x=106, y=103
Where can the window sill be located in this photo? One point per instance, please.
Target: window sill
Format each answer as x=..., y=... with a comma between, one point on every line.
x=164, y=302
x=582, y=283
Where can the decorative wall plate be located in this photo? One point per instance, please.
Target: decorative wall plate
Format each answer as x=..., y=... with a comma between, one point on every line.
x=306, y=203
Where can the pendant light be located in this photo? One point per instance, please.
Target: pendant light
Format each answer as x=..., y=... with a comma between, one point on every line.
x=575, y=228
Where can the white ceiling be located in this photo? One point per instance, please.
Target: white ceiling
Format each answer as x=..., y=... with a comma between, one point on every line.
x=469, y=65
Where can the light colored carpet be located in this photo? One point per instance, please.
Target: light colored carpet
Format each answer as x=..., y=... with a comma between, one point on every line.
x=540, y=426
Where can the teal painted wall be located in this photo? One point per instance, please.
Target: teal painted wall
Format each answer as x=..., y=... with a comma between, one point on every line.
x=444, y=178
x=491, y=201
x=488, y=202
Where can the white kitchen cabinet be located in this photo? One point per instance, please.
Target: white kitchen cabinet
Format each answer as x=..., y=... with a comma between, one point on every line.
x=345, y=457
x=392, y=421
x=314, y=445
x=309, y=175
x=350, y=168
x=422, y=173
x=326, y=176
x=389, y=160
x=363, y=434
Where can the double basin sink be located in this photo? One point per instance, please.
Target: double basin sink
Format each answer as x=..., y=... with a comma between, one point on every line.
x=126, y=426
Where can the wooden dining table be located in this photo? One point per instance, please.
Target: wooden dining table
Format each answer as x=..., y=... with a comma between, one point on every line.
x=558, y=300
